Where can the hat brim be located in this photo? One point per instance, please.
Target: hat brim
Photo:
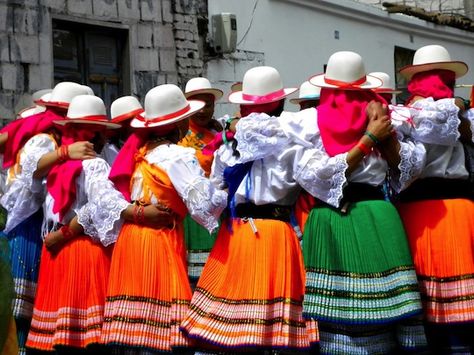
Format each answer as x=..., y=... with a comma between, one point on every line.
x=127, y=116
x=459, y=68
x=107, y=124
x=194, y=106
x=297, y=101
x=63, y=105
x=387, y=91
x=236, y=97
x=371, y=82
x=217, y=93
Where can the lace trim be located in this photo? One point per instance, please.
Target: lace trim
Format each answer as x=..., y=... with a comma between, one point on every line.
x=205, y=203
x=323, y=177
x=412, y=159
x=105, y=204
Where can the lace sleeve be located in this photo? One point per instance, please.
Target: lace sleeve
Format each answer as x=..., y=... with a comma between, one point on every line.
x=105, y=204
x=322, y=176
x=259, y=135
x=25, y=195
x=469, y=115
x=32, y=152
x=435, y=122
x=205, y=203
x=412, y=162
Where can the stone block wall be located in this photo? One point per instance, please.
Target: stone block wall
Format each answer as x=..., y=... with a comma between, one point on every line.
x=163, y=42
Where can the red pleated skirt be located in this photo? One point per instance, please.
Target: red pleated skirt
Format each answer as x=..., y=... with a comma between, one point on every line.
x=70, y=297
x=148, y=293
x=441, y=237
x=250, y=294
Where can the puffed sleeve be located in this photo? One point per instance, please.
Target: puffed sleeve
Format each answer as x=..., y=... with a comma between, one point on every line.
x=101, y=215
x=260, y=135
x=322, y=176
x=25, y=195
x=469, y=115
x=204, y=201
x=435, y=122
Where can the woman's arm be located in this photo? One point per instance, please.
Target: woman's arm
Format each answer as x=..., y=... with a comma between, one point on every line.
x=76, y=151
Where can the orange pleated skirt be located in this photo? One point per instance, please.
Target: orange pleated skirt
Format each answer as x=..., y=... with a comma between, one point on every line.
x=148, y=293
x=251, y=290
x=441, y=237
x=70, y=297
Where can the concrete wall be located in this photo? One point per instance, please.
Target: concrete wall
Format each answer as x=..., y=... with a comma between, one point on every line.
x=298, y=36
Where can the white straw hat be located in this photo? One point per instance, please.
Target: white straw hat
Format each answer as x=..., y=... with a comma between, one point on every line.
x=261, y=85
x=87, y=109
x=433, y=57
x=38, y=95
x=64, y=92
x=124, y=108
x=164, y=105
x=196, y=86
x=307, y=92
x=345, y=70
x=386, y=87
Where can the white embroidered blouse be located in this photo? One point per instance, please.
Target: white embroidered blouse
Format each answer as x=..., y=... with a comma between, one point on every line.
x=295, y=137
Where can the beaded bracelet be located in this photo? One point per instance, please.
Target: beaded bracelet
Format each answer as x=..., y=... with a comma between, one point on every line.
x=363, y=148
x=372, y=137
x=138, y=214
x=228, y=122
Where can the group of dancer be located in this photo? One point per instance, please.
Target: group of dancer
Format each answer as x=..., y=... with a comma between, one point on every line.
x=344, y=228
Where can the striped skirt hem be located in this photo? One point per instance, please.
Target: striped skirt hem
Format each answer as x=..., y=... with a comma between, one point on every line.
x=449, y=299
x=147, y=323
x=66, y=327
x=236, y=324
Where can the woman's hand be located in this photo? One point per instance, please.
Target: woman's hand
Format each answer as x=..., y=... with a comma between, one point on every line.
x=81, y=150
x=379, y=124
x=158, y=216
x=54, y=241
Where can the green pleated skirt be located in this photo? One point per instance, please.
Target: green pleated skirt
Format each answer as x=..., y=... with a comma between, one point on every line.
x=361, y=285
x=199, y=243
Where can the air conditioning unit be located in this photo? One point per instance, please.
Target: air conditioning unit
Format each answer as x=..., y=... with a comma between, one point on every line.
x=224, y=32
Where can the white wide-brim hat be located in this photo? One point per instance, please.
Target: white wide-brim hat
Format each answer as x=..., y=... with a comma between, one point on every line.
x=433, y=57
x=30, y=111
x=261, y=85
x=386, y=87
x=64, y=92
x=164, y=105
x=38, y=95
x=125, y=108
x=197, y=86
x=87, y=109
x=345, y=71
x=307, y=92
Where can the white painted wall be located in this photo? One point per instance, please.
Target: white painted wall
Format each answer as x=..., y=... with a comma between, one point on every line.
x=297, y=37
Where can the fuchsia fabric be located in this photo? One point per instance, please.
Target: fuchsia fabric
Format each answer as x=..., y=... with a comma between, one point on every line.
x=21, y=130
x=438, y=84
x=342, y=119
